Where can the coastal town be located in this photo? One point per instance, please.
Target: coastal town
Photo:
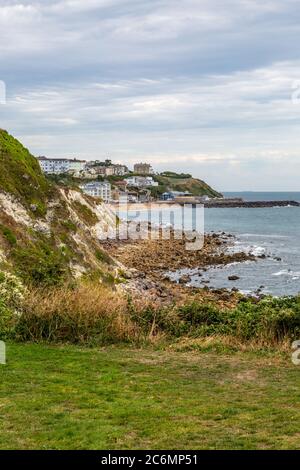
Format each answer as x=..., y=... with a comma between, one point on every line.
x=113, y=182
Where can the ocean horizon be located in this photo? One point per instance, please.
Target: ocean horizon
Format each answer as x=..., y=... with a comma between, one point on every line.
x=265, y=195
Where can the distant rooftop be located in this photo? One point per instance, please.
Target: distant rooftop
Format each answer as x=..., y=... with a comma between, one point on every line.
x=61, y=159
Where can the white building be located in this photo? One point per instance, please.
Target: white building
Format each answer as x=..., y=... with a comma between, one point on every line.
x=61, y=165
x=98, y=189
x=141, y=181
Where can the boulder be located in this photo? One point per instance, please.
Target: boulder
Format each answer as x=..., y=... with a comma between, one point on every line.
x=184, y=279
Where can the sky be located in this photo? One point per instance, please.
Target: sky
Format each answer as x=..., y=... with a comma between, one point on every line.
x=207, y=87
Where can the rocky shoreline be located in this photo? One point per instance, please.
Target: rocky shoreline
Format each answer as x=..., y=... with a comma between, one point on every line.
x=146, y=264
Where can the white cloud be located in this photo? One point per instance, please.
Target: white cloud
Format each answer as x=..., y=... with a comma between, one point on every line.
x=237, y=99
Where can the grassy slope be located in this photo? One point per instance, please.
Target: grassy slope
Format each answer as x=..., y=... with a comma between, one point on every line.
x=20, y=173
x=72, y=398
x=194, y=186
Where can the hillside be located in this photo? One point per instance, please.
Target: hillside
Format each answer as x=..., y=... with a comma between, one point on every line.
x=20, y=174
x=47, y=233
x=169, y=181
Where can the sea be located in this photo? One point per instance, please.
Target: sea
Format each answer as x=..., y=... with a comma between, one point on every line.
x=273, y=232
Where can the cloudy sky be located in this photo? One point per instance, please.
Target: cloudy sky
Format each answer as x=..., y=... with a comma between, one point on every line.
x=211, y=87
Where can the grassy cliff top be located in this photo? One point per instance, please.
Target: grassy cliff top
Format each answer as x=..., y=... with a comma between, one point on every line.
x=175, y=182
x=20, y=173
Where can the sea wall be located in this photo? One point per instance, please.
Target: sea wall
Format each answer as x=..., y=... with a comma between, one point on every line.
x=249, y=204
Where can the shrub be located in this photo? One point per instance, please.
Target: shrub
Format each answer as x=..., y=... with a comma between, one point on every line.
x=269, y=320
x=40, y=264
x=12, y=294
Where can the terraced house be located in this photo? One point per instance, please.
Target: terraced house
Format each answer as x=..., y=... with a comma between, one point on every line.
x=141, y=181
x=98, y=189
x=60, y=165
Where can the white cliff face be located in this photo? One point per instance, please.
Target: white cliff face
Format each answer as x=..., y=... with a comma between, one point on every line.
x=106, y=225
x=14, y=209
x=105, y=216
x=85, y=239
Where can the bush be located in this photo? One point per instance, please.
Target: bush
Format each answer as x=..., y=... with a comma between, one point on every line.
x=270, y=320
x=171, y=174
x=39, y=263
x=12, y=294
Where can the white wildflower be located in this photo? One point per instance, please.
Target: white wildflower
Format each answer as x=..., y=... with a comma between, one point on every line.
x=12, y=292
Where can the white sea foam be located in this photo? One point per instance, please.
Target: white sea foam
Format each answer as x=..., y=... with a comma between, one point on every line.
x=234, y=263
x=257, y=250
x=280, y=273
x=287, y=272
x=262, y=235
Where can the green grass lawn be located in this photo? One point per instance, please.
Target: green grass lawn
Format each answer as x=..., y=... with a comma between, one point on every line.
x=120, y=398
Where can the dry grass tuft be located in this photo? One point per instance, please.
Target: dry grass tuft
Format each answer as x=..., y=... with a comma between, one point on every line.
x=88, y=313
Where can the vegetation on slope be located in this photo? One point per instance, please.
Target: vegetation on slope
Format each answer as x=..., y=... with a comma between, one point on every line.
x=169, y=181
x=21, y=176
